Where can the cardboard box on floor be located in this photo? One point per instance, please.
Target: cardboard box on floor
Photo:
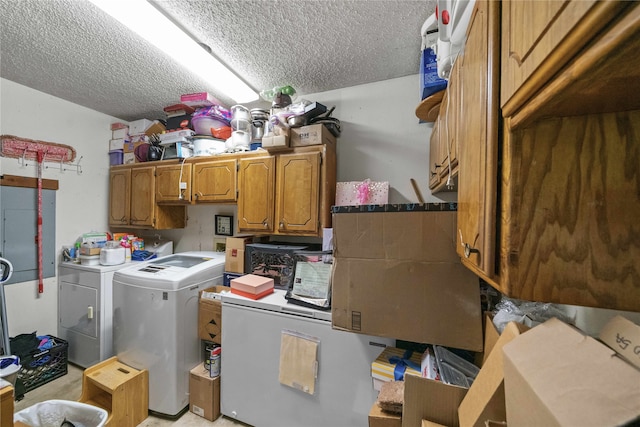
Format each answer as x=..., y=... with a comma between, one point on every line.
x=204, y=393
x=450, y=405
x=485, y=400
x=210, y=316
x=397, y=275
x=557, y=376
x=380, y=418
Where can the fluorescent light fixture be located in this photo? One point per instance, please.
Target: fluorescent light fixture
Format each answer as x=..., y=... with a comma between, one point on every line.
x=144, y=19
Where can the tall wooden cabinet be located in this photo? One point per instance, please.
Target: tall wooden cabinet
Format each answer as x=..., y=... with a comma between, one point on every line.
x=477, y=136
x=549, y=185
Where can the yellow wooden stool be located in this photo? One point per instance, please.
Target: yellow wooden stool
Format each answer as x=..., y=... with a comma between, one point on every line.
x=119, y=389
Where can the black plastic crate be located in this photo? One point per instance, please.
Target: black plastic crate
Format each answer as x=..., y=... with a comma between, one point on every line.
x=40, y=367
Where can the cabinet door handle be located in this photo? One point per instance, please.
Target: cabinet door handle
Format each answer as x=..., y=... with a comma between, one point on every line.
x=281, y=225
x=265, y=224
x=468, y=249
x=90, y=312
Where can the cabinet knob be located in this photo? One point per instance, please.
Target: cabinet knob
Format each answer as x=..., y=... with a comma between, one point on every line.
x=265, y=224
x=281, y=225
x=468, y=250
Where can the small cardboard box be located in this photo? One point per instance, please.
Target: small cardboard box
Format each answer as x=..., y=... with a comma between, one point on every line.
x=204, y=393
x=623, y=336
x=117, y=143
x=139, y=126
x=380, y=418
x=397, y=275
x=431, y=400
x=554, y=375
x=234, y=253
x=275, y=142
x=210, y=316
x=252, y=286
x=383, y=367
x=128, y=158
x=311, y=135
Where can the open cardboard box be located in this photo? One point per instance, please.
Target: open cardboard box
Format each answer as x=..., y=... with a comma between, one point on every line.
x=397, y=275
x=557, y=376
x=451, y=405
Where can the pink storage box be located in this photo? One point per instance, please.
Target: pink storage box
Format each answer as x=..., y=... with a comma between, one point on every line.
x=367, y=192
x=252, y=286
x=200, y=99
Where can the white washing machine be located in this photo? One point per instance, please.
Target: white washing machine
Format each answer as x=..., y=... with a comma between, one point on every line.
x=155, y=322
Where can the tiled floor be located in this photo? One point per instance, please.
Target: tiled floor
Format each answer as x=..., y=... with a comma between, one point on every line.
x=69, y=387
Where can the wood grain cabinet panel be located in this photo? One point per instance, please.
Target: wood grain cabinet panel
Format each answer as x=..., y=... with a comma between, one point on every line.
x=539, y=37
x=215, y=181
x=478, y=140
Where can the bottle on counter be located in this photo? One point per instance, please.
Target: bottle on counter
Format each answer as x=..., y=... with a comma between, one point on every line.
x=76, y=258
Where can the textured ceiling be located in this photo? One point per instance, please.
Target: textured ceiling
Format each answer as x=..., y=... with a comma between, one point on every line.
x=72, y=50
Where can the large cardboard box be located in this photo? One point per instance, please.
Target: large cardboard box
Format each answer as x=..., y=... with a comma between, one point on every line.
x=485, y=400
x=311, y=135
x=554, y=375
x=380, y=418
x=623, y=336
x=234, y=252
x=397, y=275
x=204, y=393
x=210, y=316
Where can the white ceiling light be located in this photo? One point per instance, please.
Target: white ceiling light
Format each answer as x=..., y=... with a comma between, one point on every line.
x=144, y=19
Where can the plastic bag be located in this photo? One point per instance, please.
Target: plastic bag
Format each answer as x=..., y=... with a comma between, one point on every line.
x=526, y=312
x=52, y=413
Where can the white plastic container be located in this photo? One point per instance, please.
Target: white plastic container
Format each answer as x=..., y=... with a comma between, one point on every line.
x=10, y=373
x=112, y=256
x=208, y=146
x=90, y=259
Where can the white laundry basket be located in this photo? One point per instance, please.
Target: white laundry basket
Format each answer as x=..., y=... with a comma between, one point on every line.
x=51, y=413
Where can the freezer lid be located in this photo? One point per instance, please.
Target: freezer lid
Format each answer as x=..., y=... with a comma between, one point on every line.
x=275, y=302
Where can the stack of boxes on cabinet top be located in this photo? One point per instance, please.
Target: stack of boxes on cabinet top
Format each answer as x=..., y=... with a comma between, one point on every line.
x=199, y=125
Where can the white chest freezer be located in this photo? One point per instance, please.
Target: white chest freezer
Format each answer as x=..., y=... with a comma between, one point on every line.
x=155, y=322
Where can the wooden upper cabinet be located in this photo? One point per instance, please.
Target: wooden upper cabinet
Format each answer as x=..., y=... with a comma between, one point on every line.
x=119, y=196
x=215, y=181
x=168, y=187
x=539, y=37
x=256, y=182
x=142, y=196
x=478, y=140
x=297, y=195
x=132, y=199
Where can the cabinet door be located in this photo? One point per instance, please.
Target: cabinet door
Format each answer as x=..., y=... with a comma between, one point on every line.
x=119, y=196
x=434, y=155
x=540, y=37
x=142, y=196
x=256, y=182
x=478, y=140
x=215, y=181
x=298, y=181
x=168, y=180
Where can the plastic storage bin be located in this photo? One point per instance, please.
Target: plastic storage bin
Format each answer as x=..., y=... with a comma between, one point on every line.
x=54, y=412
x=40, y=367
x=116, y=157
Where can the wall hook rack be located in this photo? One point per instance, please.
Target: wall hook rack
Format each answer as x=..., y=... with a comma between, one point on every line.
x=24, y=162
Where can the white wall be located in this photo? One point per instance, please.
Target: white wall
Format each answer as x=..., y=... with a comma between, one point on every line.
x=82, y=199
